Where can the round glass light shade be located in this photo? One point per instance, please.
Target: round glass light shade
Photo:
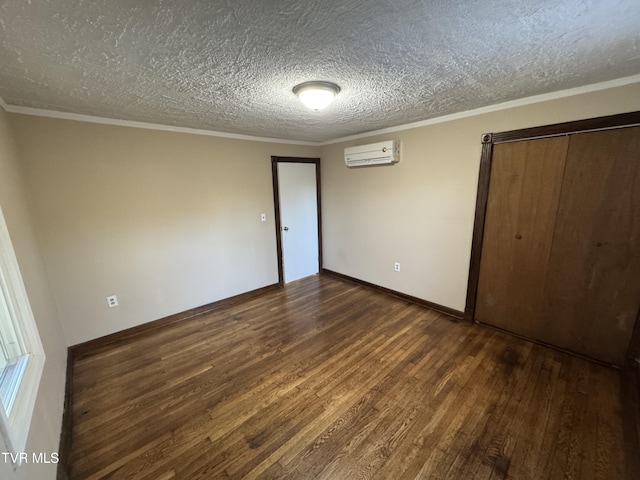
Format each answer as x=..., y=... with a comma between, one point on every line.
x=316, y=95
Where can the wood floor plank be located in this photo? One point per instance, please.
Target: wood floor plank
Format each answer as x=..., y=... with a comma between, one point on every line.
x=324, y=379
x=539, y=420
x=429, y=452
x=469, y=422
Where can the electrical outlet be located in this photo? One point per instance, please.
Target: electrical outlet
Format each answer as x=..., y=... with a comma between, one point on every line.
x=396, y=267
x=263, y=217
x=112, y=301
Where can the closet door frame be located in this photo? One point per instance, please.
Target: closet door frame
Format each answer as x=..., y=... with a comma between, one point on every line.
x=623, y=120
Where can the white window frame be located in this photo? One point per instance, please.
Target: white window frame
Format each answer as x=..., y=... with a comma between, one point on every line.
x=15, y=426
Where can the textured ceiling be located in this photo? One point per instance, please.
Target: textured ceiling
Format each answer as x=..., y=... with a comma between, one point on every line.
x=229, y=66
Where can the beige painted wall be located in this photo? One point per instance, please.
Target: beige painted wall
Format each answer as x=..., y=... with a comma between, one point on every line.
x=44, y=434
x=165, y=221
x=420, y=211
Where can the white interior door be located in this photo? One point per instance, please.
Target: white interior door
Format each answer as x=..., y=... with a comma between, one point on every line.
x=298, y=219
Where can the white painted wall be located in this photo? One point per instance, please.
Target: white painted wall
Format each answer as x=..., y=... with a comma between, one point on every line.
x=420, y=211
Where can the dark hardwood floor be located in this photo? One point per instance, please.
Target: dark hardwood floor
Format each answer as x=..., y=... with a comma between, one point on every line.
x=324, y=379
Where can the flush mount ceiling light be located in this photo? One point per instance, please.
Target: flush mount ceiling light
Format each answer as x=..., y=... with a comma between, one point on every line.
x=316, y=95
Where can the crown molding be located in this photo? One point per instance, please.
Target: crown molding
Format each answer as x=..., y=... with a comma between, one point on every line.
x=39, y=112
x=545, y=97
x=619, y=82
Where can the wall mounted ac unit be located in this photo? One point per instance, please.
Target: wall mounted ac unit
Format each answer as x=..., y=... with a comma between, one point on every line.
x=373, y=154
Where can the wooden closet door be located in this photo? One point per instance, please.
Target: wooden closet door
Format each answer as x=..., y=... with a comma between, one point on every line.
x=592, y=292
x=524, y=192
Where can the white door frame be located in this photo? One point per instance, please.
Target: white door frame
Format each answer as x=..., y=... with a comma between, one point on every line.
x=276, y=204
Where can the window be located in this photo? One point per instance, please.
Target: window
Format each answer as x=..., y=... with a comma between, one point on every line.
x=21, y=353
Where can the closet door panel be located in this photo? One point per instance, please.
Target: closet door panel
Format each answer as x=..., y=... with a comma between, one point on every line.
x=592, y=289
x=526, y=179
